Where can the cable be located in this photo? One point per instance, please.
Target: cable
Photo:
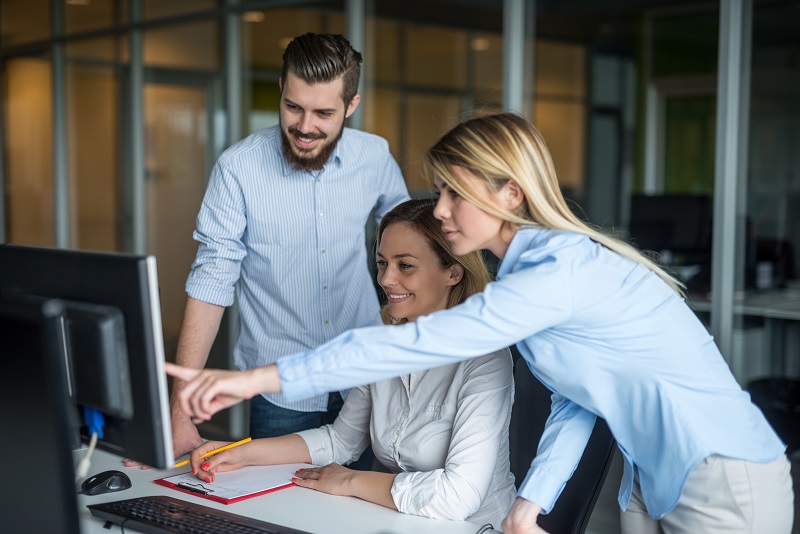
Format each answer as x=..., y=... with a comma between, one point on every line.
x=95, y=421
x=83, y=466
x=485, y=528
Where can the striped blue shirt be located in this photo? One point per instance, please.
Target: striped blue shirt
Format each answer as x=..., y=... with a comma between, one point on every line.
x=290, y=244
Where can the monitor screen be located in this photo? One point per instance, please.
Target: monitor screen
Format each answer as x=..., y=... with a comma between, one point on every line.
x=94, y=286
x=40, y=488
x=680, y=224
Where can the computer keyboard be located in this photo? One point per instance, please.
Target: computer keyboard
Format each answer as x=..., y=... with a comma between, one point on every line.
x=164, y=515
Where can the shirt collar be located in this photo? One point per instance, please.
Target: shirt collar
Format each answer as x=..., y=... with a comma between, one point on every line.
x=521, y=242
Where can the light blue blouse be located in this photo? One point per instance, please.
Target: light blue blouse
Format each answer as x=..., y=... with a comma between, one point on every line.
x=606, y=335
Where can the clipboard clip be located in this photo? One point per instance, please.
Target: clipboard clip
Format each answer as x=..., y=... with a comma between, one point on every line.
x=195, y=488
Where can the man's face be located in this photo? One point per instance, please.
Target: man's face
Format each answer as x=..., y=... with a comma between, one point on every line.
x=311, y=120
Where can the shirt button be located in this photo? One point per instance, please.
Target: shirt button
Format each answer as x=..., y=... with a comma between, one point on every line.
x=325, y=286
x=327, y=321
x=320, y=214
x=322, y=251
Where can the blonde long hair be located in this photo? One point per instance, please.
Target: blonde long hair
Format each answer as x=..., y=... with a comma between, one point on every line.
x=502, y=147
x=417, y=214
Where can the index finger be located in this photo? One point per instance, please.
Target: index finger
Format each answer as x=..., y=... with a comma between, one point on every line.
x=181, y=373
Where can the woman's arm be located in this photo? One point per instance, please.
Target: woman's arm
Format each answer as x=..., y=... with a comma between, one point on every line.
x=348, y=436
x=344, y=441
x=288, y=449
x=512, y=309
x=502, y=315
x=560, y=448
x=339, y=480
x=208, y=391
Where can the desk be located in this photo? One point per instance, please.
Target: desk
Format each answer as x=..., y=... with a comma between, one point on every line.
x=294, y=507
x=780, y=309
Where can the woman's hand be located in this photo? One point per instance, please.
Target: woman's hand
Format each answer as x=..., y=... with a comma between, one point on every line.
x=229, y=460
x=208, y=391
x=521, y=518
x=333, y=478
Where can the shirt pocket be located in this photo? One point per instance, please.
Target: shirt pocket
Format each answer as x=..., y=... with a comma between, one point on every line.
x=435, y=412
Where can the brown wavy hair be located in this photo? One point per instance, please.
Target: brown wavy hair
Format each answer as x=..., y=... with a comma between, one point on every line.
x=417, y=214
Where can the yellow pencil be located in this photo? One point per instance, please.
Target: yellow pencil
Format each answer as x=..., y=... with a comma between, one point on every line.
x=215, y=451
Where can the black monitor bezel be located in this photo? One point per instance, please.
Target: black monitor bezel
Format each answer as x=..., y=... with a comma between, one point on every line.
x=130, y=283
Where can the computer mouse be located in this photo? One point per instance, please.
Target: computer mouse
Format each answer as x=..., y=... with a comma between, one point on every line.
x=105, y=482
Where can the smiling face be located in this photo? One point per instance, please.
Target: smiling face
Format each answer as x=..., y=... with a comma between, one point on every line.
x=410, y=273
x=467, y=227
x=311, y=120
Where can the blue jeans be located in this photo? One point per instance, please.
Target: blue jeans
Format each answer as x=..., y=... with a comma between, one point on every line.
x=268, y=421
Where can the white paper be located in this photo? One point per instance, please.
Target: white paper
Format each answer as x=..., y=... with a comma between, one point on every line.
x=241, y=482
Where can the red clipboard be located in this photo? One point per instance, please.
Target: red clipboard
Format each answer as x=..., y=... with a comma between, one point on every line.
x=234, y=486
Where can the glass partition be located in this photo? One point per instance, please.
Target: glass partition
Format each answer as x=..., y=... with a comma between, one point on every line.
x=28, y=135
x=85, y=15
x=193, y=46
x=93, y=125
x=768, y=301
x=24, y=21
x=159, y=9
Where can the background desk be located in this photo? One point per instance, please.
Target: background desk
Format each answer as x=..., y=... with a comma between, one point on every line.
x=294, y=507
x=780, y=310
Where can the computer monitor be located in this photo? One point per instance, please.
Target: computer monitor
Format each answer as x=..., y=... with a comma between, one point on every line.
x=39, y=478
x=677, y=223
x=97, y=285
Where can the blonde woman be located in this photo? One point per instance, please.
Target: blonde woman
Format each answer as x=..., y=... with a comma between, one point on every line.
x=442, y=433
x=602, y=326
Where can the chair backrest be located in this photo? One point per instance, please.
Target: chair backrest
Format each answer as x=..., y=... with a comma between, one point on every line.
x=570, y=515
x=779, y=400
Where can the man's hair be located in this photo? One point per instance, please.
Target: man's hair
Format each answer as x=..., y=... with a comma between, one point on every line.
x=323, y=58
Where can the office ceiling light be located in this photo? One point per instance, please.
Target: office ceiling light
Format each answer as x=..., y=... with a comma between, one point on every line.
x=77, y=2
x=253, y=16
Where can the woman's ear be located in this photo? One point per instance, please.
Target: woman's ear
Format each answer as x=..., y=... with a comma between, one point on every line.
x=513, y=197
x=456, y=274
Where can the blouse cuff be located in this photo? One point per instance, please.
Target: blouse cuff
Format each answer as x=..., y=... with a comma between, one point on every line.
x=541, y=487
x=317, y=441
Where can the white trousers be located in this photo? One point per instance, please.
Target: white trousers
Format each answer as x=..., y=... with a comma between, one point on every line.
x=722, y=495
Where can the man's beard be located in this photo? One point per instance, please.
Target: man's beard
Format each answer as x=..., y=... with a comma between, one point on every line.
x=314, y=163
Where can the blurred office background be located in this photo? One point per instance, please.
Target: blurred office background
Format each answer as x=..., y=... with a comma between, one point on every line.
x=674, y=122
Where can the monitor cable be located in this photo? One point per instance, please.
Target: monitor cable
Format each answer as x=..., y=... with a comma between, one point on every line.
x=95, y=421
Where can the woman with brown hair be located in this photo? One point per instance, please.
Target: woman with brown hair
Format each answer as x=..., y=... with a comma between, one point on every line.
x=442, y=433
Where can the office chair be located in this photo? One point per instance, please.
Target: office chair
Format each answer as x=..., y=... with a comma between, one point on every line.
x=779, y=399
x=572, y=510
